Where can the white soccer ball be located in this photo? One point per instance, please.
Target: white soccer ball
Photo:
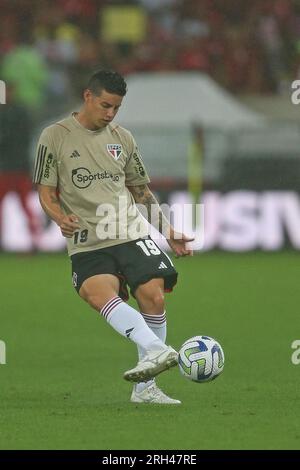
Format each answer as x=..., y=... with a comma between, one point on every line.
x=201, y=359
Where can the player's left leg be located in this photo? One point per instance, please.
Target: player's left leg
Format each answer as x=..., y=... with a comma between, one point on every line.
x=148, y=272
x=150, y=298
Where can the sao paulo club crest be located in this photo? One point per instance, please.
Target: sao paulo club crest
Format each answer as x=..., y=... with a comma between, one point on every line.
x=115, y=150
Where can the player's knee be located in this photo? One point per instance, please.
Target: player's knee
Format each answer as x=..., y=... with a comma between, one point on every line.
x=94, y=300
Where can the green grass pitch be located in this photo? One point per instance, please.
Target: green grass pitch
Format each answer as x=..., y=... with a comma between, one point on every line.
x=62, y=385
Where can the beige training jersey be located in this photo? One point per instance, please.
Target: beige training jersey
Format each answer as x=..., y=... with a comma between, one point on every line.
x=91, y=171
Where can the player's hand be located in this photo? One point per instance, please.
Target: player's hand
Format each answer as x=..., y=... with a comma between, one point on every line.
x=178, y=243
x=68, y=225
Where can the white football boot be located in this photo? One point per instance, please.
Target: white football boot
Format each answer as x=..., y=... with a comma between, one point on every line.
x=152, y=364
x=152, y=394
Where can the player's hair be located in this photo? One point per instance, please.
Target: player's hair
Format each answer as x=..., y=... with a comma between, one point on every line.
x=107, y=80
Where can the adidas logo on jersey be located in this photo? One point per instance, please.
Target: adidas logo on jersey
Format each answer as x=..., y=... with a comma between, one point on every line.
x=162, y=266
x=75, y=154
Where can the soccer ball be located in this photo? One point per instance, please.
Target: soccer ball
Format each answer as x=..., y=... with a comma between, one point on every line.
x=201, y=359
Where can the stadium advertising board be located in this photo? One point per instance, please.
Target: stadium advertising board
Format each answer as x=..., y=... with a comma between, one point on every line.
x=233, y=221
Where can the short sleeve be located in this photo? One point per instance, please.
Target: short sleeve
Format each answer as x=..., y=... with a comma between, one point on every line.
x=135, y=170
x=45, y=166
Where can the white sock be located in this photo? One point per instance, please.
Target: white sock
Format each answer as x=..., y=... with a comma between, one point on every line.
x=129, y=323
x=158, y=324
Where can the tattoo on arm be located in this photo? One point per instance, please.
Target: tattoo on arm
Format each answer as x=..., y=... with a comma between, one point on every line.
x=142, y=195
x=54, y=200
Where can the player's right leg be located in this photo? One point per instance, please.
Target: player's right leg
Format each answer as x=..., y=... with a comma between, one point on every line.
x=101, y=292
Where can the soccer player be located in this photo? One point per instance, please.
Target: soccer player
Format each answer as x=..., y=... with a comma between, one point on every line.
x=90, y=175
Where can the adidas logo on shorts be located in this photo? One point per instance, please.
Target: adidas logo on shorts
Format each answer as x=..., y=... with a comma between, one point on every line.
x=74, y=279
x=162, y=266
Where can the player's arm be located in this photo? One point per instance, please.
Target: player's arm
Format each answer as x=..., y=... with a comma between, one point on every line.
x=144, y=197
x=51, y=205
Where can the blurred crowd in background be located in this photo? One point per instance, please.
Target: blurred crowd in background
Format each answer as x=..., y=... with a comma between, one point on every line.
x=49, y=47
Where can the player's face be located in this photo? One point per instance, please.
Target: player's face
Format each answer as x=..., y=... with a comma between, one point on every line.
x=102, y=109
